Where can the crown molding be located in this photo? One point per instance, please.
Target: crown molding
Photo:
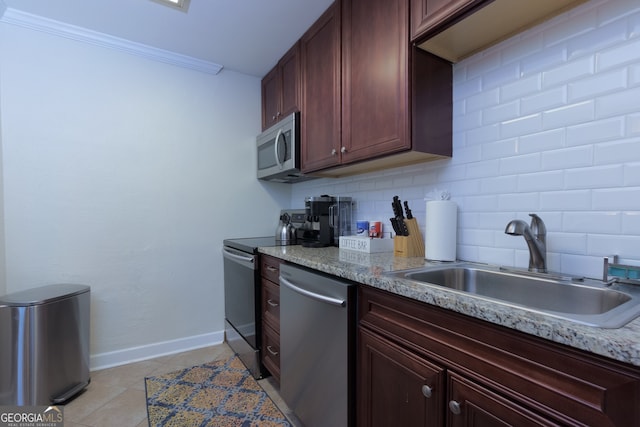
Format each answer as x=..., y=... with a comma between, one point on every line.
x=56, y=28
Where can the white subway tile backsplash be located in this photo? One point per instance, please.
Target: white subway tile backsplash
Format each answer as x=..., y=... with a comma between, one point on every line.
x=521, y=126
x=616, y=199
x=521, y=87
x=483, y=134
x=563, y=29
x=541, y=181
x=592, y=222
x=598, y=85
x=567, y=243
x=499, y=149
x=607, y=244
x=543, y=60
x=618, y=152
x=619, y=55
x=634, y=74
x=597, y=39
x=504, y=74
x=520, y=164
x=484, y=99
x=631, y=175
x=595, y=131
x=618, y=103
x=499, y=185
x=568, y=115
x=548, y=122
x=542, y=141
x=567, y=158
x=544, y=100
x=568, y=71
x=594, y=177
x=501, y=112
x=528, y=44
x=571, y=200
x=514, y=202
x=631, y=223
x=609, y=11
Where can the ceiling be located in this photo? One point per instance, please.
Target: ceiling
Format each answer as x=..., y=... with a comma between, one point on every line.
x=247, y=36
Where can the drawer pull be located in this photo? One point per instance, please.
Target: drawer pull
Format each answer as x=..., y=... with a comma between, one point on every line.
x=272, y=269
x=455, y=407
x=427, y=391
x=272, y=304
x=270, y=350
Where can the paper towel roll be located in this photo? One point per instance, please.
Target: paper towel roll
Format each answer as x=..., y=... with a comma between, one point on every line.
x=441, y=230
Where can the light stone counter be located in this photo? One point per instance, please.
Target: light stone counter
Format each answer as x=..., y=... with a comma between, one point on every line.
x=621, y=344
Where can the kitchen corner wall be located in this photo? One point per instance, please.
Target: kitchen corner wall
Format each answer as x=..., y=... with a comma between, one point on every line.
x=546, y=122
x=3, y=275
x=126, y=174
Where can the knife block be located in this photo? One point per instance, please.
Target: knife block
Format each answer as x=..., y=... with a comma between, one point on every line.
x=411, y=245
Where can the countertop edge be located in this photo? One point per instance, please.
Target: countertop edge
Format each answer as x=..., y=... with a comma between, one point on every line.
x=622, y=344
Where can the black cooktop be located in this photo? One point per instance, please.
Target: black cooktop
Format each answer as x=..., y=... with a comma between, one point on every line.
x=250, y=244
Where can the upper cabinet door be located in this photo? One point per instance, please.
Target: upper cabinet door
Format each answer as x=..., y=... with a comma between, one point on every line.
x=320, y=115
x=281, y=88
x=290, y=71
x=375, y=90
x=270, y=98
x=429, y=14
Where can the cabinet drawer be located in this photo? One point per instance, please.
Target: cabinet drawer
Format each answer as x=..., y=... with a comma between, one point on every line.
x=562, y=383
x=271, y=304
x=270, y=268
x=271, y=351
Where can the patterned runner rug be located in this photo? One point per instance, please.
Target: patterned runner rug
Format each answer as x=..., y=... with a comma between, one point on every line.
x=221, y=393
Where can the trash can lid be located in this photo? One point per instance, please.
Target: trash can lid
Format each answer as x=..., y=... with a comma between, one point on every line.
x=42, y=295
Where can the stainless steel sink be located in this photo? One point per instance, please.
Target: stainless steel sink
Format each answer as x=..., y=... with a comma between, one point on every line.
x=584, y=301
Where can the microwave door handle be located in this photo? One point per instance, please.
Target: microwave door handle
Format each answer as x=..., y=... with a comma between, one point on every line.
x=276, y=145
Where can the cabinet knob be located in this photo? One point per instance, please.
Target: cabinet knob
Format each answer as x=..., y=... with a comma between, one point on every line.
x=427, y=391
x=334, y=152
x=455, y=407
x=343, y=150
x=273, y=118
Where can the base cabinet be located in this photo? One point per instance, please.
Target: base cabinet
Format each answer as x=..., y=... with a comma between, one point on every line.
x=399, y=388
x=419, y=365
x=270, y=303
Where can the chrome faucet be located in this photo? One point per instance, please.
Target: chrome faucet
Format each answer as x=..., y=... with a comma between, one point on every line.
x=536, y=237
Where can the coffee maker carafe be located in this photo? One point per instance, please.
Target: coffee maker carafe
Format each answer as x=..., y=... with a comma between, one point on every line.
x=332, y=216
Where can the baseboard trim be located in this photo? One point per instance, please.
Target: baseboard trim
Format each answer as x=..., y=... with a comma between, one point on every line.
x=151, y=351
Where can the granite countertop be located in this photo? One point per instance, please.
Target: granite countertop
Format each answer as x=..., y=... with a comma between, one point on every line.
x=621, y=344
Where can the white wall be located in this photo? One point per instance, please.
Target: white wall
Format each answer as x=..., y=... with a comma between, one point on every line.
x=545, y=122
x=126, y=174
x=3, y=276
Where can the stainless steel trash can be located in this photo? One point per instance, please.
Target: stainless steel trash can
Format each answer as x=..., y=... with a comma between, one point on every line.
x=44, y=344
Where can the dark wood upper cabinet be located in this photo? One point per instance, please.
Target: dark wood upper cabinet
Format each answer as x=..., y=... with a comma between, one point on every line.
x=455, y=29
x=281, y=88
x=427, y=15
x=377, y=92
x=320, y=115
x=375, y=78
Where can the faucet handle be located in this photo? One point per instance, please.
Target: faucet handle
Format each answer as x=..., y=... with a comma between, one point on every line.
x=537, y=227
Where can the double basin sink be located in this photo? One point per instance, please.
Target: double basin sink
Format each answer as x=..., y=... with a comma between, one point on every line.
x=585, y=301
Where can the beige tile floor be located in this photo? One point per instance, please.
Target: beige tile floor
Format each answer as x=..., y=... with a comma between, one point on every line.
x=116, y=396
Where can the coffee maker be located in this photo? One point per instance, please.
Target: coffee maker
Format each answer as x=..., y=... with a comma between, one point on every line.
x=330, y=216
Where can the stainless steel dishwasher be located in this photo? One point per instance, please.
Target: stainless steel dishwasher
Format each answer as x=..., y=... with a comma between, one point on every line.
x=317, y=346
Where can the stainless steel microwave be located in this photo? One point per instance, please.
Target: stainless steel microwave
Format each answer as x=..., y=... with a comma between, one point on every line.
x=279, y=151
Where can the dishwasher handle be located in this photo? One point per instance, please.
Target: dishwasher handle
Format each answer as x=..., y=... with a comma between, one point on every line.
x=319, y=297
